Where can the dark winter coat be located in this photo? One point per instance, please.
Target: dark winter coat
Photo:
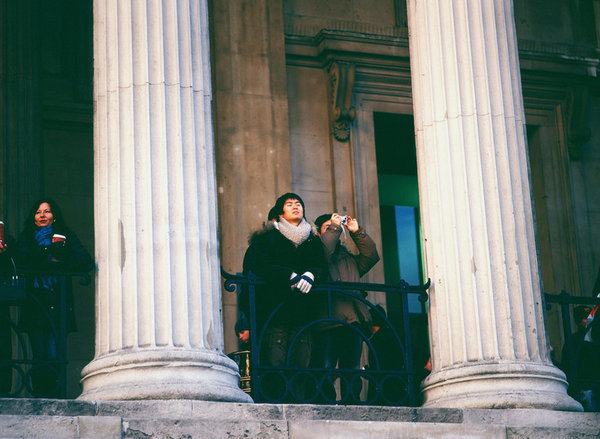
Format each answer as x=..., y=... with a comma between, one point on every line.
x=69, y=256
x=273, y=258
x=343, y=265
x=347, y=267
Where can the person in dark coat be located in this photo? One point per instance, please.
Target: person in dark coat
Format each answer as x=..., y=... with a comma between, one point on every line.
x=7, y=246
x=289, y=257
x=340, y=344
x=47, y=245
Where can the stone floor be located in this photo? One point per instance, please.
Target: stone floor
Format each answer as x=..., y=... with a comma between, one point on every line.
x=58, y=419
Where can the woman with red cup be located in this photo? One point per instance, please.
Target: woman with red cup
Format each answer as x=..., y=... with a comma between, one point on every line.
x=48, y=246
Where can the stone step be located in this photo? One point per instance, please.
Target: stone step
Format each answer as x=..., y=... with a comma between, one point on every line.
x=58, y=419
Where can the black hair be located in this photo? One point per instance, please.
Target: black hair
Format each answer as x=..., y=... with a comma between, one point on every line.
x=321, y=220
x=278, y=208
x=272, y=214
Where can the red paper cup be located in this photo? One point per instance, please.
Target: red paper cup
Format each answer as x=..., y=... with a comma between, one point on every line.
x=58, y=238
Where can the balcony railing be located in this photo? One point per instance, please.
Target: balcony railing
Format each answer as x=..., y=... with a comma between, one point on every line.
x=22, y=375
x=386, y=375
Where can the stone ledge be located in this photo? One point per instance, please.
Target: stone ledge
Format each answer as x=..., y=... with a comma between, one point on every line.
x=201, y=419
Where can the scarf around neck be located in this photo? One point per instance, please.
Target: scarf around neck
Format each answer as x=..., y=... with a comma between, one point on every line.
x=297, y=234
x=43, y=235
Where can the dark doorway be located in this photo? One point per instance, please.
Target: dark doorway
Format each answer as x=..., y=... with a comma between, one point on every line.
x=400, y=223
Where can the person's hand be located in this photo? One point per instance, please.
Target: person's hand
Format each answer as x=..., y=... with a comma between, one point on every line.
x=294, y=279
x=244, y=335
x=352, y=225
x=3, y=247
x=336, y=219
x=306, y=282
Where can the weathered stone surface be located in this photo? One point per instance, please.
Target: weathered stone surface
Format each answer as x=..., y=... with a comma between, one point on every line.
x=237, y=411
x=342, y=413
x=371, y=413
x=202, y=419
x=146, y=409
x=39, y=427
x=204, y=429
x=186, y=409
x=158, y=306
x=105, y=427
x=533, y=418
x=396, y=430
x=52, y=407
x=550, y=433
x=486, y=321
x=438, y=415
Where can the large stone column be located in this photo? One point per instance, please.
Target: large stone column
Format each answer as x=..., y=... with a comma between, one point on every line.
x=489, y=344
x=20, y=111
x=158, y=320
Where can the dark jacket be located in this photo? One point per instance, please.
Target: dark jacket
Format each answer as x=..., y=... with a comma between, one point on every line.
x=343, y=265
x=273, y=258
x=347, y=267
x=69, y=256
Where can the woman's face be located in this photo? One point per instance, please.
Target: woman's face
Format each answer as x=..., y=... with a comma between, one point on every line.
x=44, y=216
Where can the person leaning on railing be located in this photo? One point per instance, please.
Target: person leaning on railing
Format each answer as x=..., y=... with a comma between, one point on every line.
x=289, y=257
x=340, y=344
x=47, y=245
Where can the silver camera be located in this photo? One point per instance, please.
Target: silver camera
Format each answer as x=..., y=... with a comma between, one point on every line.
x=344, y=219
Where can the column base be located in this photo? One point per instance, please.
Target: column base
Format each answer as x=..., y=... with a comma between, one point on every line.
x=162, y=373
x=501, y=385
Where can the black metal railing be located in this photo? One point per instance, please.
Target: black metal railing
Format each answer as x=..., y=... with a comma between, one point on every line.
x=386, y=376
x=580, y=359
x=23, y=374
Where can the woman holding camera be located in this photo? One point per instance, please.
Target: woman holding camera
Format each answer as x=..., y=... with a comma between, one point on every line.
x=47, y=247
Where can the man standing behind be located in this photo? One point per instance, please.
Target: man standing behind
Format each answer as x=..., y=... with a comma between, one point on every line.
x=289, y=258
x=340, y=344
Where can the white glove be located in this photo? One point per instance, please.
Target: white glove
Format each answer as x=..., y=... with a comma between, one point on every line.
x=306, y=282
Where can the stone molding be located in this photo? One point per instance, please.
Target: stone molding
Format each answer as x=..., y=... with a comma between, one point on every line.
x=359, y=40
x=190, y=418
x=339, y=26
x=341, y=80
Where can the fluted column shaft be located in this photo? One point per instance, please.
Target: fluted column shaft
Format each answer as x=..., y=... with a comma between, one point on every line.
x=489, y=344
x=20, y=111
x=158, y=321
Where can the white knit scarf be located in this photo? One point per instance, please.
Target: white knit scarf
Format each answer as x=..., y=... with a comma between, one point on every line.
x=297, y=234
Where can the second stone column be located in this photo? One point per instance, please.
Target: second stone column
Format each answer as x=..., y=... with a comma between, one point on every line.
x=158, y=306
x=489, y=345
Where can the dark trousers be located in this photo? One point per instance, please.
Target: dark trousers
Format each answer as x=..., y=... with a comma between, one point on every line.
x=340, y=348
x=44, y=376
x=281, y=348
